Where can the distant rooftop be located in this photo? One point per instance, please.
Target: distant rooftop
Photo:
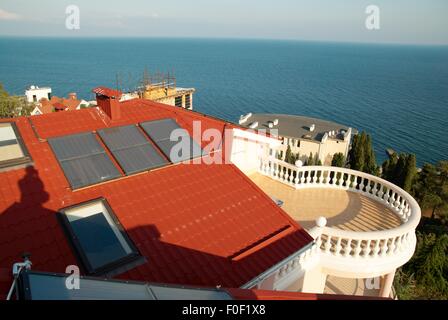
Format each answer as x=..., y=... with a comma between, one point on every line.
x=293, y=126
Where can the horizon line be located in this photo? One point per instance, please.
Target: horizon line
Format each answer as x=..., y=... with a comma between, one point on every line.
x=77, y=37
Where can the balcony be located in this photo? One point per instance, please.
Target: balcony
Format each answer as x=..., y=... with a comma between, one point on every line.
x=364, y=226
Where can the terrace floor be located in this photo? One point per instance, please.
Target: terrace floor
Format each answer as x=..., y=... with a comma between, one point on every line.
x=355, y=287
x=343, y=209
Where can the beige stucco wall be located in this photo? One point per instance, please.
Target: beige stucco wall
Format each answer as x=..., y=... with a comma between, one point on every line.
x=324, y=150
x=331, y=147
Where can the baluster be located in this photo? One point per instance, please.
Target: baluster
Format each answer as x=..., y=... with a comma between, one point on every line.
x=357, y=248
x=338, y=247
x=392, y=246
x=368, y=187
x=380, y=192
x=376, y=248
x=361, y=185
x=286, y=175
x=375, y=189
x=392, y=199
x=366, y=251
x=348, y=248
x=384, y=247
x=328, y=244
x=386, y=195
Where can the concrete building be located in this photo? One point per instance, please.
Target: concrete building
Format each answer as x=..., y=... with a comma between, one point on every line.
x=110, y=171
x=35, y=94
x=304, y=135
x=162, y=88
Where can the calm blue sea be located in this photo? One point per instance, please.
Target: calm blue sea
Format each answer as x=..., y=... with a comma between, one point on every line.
x=399, y=94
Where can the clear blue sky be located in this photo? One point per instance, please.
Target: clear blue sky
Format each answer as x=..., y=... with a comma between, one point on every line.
x=402, y=21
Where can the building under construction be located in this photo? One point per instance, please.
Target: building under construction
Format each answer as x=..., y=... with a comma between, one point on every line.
x=162, y=88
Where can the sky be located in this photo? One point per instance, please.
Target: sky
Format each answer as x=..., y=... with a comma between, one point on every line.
x=401, y=21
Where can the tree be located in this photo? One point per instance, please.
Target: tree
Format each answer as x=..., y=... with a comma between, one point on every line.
x=338, y=160
x=288, y=154
x=431, y=188
x=13, y=106
x=310, y=161
x=400, y=170
x=362, y=155
x=430, y=264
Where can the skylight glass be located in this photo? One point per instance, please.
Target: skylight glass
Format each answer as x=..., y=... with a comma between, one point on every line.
x=100, y=242
x=12, y=150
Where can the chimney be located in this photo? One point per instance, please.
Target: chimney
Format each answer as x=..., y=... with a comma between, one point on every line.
x=109, y=101
x=72, y=95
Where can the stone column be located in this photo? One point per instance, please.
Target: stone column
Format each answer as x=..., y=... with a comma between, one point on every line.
x=386, y=287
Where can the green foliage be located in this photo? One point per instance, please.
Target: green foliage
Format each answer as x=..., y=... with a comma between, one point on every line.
x=288, y=154
x=13, y=106
x=361, y=155
x=431, y=189
x=401, y=170
x=426, y=274
x=338, y=160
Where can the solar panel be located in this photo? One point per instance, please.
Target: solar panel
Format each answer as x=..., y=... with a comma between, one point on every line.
x=132, y=150
x=52, y=286
x=160, y=131
x=83, y=160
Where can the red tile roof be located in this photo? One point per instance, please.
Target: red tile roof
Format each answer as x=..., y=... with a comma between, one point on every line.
x=195, y=224
x=58, y=104
x=107, y=92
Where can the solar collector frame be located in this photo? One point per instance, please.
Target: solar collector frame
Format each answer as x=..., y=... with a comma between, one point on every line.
x=83, y=159
x=131, y=149
x=160, y=131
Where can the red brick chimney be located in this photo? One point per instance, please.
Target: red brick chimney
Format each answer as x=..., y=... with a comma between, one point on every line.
x=109, y=101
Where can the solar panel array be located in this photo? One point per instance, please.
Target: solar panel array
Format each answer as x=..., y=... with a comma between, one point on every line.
x=160, y=132
x=85, y=162
x=83, y=159
x=132, y=150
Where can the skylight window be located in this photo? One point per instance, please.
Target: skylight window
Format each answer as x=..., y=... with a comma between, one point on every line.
x=12, y=150
x=98, y=238
x=83, y=159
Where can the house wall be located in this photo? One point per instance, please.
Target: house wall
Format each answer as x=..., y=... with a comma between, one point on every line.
x=39, y=93
x=247, y=146
x=324, y=150
x=331, y=147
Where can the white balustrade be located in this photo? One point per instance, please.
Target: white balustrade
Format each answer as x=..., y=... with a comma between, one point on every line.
x=345, y=243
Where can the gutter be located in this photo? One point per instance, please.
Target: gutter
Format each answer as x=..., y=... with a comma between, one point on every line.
x=275, y=267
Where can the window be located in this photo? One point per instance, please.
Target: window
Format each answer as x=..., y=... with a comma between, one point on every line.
x=178, y=101
x=132, y=150
x=83, y=160
x=188, y=101
x=12, y=149
x=98, y=238
x=34, y=98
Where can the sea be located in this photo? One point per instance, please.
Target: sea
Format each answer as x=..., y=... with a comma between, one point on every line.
x=397, y=93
